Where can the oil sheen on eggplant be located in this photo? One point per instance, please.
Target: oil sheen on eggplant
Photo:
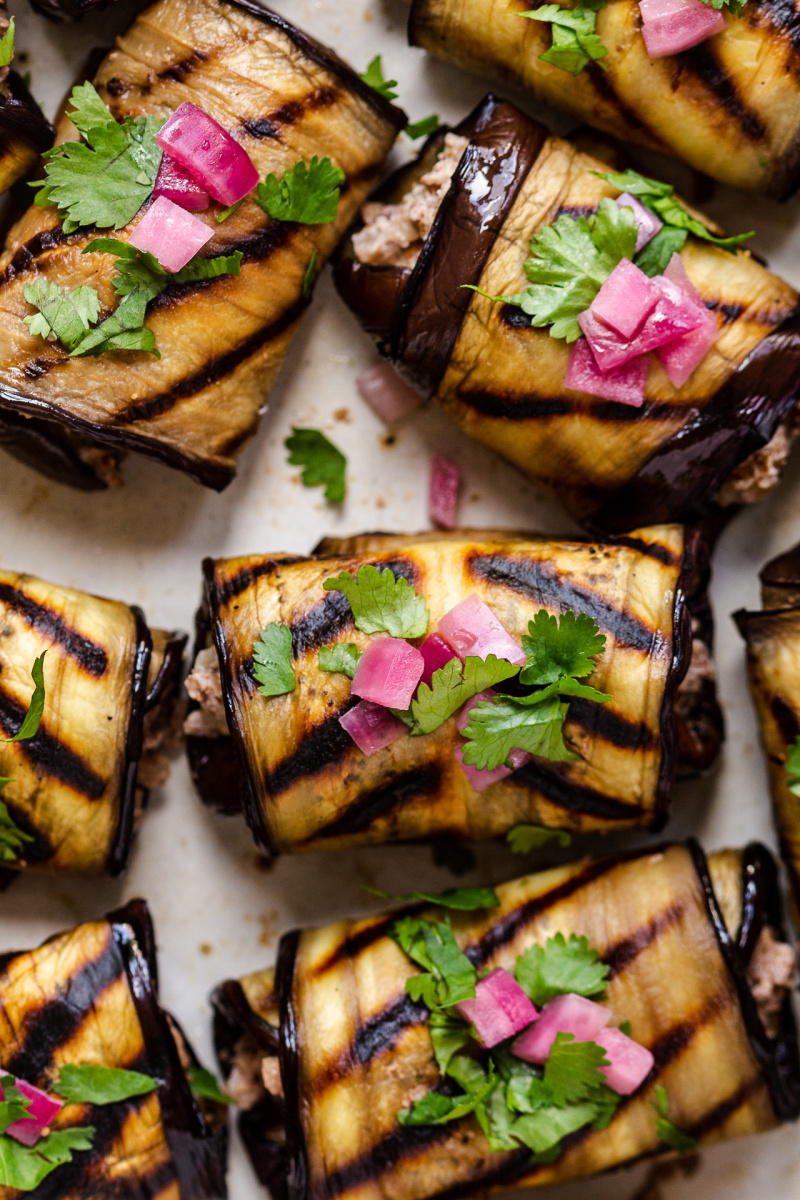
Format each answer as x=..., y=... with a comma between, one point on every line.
x=90, y=995
x=222, y=342
x=78, y=787
x=304, y=785
x=353, y=1049
x=503, y=381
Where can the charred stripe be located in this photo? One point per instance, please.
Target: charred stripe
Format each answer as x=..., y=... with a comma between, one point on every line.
x=379, y=1035
x=522, y=406
x=49, y=755
x=355, y=943
x=655, y=550
x=572, y=796
x=90, y=656
x=624, y=952
x=372, y=805
x=270, y=125
x=599, y=721
x=229, y=589
x=704, y=64
x=326, y=744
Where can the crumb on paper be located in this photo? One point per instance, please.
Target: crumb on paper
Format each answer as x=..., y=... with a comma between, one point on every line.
x=270, y=925
x=388, y=439
x=342, y=414
x=380, y=502
x=206, y=948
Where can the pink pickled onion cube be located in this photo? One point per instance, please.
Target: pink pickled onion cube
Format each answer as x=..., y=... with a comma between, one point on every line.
x=172, y=235
x=388, y=672
x=483, y=779
x=675, y=272
x=675, y=313
x=471, y=628
x=215, y=159
x=372, y=727
x=436, y=654
x=670, y=26
x=624, y=384
x=389, y=396
x=443, y=493
x=682, y=356
x=565, y=1014
x=631, y=1062
x=500, y=1008
x=647, y=223
x=43, y=1109
x=626, y=299
x=179, y=186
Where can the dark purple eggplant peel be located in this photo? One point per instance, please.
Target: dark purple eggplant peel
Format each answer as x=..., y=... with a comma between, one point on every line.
x=24, y=132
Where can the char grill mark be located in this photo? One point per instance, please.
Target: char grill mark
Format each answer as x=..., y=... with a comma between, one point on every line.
x=324, y=745
x=654, y=550
x=379, y=802
x=269, y=126
x=600, y=721
x=573, y=797
x=703, y=63
x=89, y=656
x=354, y=943
x=49, y=755
x=379, y=1035
x=230, y=589
x=521, y=406
x=618, y=957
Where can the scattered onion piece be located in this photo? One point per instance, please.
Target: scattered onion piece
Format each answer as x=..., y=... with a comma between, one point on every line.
x=647, y=223
x=479, y=779
x=565, y=1014
x=215, y=159
x=443, y=491
x=388, y=672
x=372, y=727
x=624, y=384
x=472, y=628
x=631, y=1062
x=389, y=396
x=170, y=233
x=670, y=26
x=178, y=185
x=626, y=299
x=43, y=1109
x=675, y=313
x=436, y=653
x=500, y=1008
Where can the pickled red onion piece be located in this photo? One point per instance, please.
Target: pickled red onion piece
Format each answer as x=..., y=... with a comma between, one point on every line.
x=170, y=234
x=626, y=299
x=669, y=26
x=389, y=396
x=472, y=628
x=681, y=357
x=631, y=1062
x=43, y=1109
x=675, y=313
x=435, y=653
x=443, y=495
x=500, y=1008
x=179, y=186
x=565, y=1014
x=388, y=672
x=647, y=223
x=624, y=384
x=372, y=727
x=215, y=159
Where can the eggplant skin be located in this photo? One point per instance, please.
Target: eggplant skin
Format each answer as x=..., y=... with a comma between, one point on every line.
x=90, y=995
x=24, y=132
x=354, y=1050
x=73, y=786
x=285, y=98
x=309, y=787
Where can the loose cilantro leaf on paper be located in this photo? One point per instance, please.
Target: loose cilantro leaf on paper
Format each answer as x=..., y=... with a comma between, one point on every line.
x=24, y=1167
x=561, y=966
x=793, y=767
x=423, y=128
x=567, y=645
x=452, y=685
x=324, y=463
x=464, y=899
x=7, y=44
x=308, y=195
x=449, y=976
x=381, y=602
x=88, y=1084
x=523, y=839
x=205, y=1085
x=272, y=660
x=668, y=1133
x=456, y=858
x=373, y=76
x=33, y=717
x=576, y=42
x=310, y=276
x=341, y=657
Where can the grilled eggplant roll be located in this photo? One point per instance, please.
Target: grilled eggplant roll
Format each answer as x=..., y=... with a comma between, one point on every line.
x=78, y=787
x=324, y=1052
x=91, y=996
x=724, y=434
x=773, y=667
x=286, y=98
x=303, y=785
x=729, y=107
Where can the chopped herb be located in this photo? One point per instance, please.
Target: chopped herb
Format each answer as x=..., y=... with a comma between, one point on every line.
x=324, y=463
x=310, y=276
x=555, y=647
x=224, y=213
x=793, y=767
x=575, y=39
x=272, y=660
x=205, y=1085
x=572, y=1072
x=7, y=44
x=12, y=839
x=64, y=315
x=734, y=6
x=373, y=76
x=448, y=976
x=523, y=839
x=308, y=195
x=423, y=128
x=33, y=717
x=382, y=603
x=464, y=899
x=88, y=1084
x=455, y=858
x=625, y=1027
x=452, y=685
x=14, y=1105
x=668, y=1133
x=341, y=657
x=559, y=967
x=24, y=1167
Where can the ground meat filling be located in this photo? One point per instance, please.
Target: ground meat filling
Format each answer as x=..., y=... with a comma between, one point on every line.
x=204, y=686
x=394, y=234
x=754, y=478
x=253, y=1073
x=770, y=972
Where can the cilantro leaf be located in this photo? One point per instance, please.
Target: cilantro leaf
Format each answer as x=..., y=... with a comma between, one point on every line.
x=224, y=213
x=373, y=77
x=381, y=602
x=452, y=685
x=523, y=839
x=24, y=1167
x=272, y=660
x=449, y=975
x=541, y=1131
x=341, y=657
x=310, y=276
x=205, y=1085
x=456, y=858
x=436, y=1108
x=654, y=258
x=450, y=1034
x=90, y=1084
x=33, y=717
x=12, y=839
x=668, y=1133
x=571, y=1069
x=7, y=44
x=575, y=39
x=14, y=1106
x=65, y=315
x=423, y=128
x=123, y=330
x=308, y=195
x=559, y=967
x=464, y=899
x=324, y=463
x=567, y=645
x=660, y=199
x=793, y=767
x=625, y=1027
x=138, y=270
x=496, y=727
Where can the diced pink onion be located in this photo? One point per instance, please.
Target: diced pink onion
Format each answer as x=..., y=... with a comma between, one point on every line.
x=43, y=1109
x=443, y=493
x=179, y=186
x=624, y=384
x=626, y=299
x=675, y=313
x=204, y=148
x=483, y=779
x=565, y=1014
x=670, y=26
x=471, y=628
x=500, y=1008
x=682, y=356
x=389, y=396
x=388, y=672
x=631, y=1062
x=170, y=233
x=647, y=223
x=436, y=653
x=372, y=727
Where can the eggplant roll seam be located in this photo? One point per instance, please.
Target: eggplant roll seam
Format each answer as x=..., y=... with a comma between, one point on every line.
x=503, y=381
x=354, y=1050
x=303, y=783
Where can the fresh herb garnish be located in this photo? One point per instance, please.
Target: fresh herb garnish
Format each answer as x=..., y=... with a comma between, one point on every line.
x=310, y=276
x=668, y=1133
x=381, y=602
x=205, y=1085
x=560, y=646
x=457, y=859
x=66, y=315
x=523, y=839
x=341, y=657
x=24, y=1167
x=324, y=463
x=448, y=975
x=88, y=1084
x=224, y=213
x=373, y=77
x=463, y=899
x=422, y=128
x=13, y=839
x=576, y=42
x=308, y=195
x=792, y=767
x=7, y=44
x=452, y=685
x=561, y=966
x=272, y=660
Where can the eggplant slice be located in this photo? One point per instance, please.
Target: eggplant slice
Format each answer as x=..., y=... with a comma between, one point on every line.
x=773, y=666
x=322, y=1053
x=303, y=784
x=79, y=786
x=91, y=996
x=221, y=341
x=724, y=434
x=24, y=133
